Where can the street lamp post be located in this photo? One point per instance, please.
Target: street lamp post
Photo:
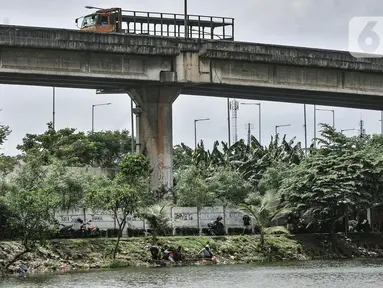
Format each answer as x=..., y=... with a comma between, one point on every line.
x=315, y=120
x=342, y=130
x=94, y=105
x=277, y=126
x=333, y=115
x=195, y=129
x=259, y=120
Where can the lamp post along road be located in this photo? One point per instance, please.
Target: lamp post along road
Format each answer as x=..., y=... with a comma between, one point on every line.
x=259, y=120
x=315, y=120
x=333, y=115
x=342, y=130
x=94, y=105
x=195, y=129
x=278, y=126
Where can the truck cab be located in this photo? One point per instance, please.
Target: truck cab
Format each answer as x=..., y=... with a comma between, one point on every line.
x=103, y=20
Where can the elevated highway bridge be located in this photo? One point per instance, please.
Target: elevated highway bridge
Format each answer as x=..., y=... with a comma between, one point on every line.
x=154, y=70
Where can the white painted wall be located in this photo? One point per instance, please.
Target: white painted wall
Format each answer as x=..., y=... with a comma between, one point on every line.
x=179, y=217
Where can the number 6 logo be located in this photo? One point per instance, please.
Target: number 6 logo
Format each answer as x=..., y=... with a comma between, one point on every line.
x=368, y=39
x=364, y=37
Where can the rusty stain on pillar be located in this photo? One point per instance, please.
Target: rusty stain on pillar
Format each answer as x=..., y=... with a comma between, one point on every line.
x=155, y=129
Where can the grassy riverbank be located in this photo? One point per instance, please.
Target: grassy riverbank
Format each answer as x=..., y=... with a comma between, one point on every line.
x=84, y=254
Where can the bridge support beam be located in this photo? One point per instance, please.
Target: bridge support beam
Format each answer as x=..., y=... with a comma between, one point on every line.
x=154, y=135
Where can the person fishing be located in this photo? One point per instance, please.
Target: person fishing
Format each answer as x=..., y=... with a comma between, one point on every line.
x=167, y=253
x=207, y=253
x=155, y=251
x=22, y=271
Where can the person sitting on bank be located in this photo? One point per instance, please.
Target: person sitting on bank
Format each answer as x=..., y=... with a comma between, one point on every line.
x=326, y=244
x=22, y=271
x=207, y=253
x=176, y=254
x=290, y=222
x=155, y=251
x=246, y=224
x=167, y=254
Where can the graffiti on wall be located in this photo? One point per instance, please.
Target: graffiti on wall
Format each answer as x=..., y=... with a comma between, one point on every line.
x=235, y=214
x=180, y=217
x=70, y=218
x=183, y=216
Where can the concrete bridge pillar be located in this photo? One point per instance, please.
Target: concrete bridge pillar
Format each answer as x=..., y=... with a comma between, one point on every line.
x=154, y=133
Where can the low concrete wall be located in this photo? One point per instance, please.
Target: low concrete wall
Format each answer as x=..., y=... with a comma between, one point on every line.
x=179, y=217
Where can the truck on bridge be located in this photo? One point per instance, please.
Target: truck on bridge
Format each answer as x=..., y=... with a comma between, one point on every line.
x=116, y=20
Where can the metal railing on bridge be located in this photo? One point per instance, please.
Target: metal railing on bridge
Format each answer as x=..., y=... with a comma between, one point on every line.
x=173, y=25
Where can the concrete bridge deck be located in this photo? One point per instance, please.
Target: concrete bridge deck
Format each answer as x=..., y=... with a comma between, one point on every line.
x=78, y=59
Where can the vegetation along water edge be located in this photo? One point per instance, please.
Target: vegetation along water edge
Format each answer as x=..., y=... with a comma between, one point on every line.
x=334, y=187
x=65, y=255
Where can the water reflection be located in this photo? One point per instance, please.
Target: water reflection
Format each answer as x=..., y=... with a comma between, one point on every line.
x=318, y=274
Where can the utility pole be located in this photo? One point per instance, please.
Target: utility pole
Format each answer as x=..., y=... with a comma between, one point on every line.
x=361, y=129
x=305, y=126
x=234, y=106
x=259, y=120
x=54, y=108
x=186, y=19
x=249, y=127
x=315, y=125
x=381, y=122
x=228, y=122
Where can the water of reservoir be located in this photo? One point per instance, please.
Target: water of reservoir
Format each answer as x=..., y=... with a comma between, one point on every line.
x=319, y=274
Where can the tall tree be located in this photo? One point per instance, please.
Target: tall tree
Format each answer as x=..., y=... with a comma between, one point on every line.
x=192, y=189
x=121, y=199
x=98, y=149
x=228, y=186
x=32, y=193
x=110, y=147
x=182, y=156
x=7, y=163
x=338, y=176
x=4, y=133
x=125, y=194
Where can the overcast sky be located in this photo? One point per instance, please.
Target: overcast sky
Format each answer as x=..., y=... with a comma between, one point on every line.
x=312, y=23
